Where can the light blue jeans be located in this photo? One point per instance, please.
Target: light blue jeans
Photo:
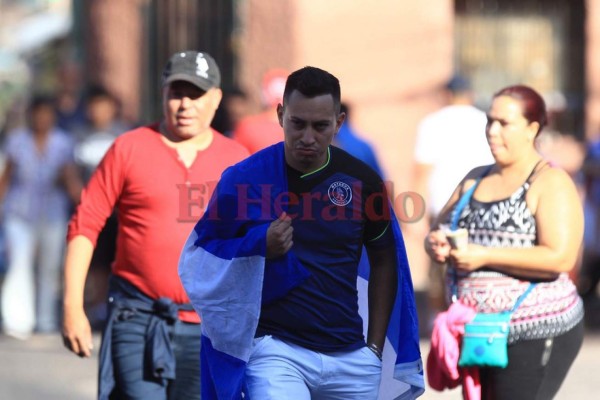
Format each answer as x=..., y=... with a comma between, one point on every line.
x=31, y=300
x=280, y=370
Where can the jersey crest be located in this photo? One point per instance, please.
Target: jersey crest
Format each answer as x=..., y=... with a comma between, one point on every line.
x=340, y=193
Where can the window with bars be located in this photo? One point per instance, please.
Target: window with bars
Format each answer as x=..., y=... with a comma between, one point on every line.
x=174, y=25
x=535, y=42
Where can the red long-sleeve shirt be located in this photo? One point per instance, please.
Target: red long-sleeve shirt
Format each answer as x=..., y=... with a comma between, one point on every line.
x=158, y=200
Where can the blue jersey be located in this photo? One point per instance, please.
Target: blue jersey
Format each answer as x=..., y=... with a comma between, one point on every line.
x=335, y=212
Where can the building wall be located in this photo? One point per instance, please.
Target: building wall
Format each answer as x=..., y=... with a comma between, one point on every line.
x=266, y=41
x=390, y=59
x=112, y=53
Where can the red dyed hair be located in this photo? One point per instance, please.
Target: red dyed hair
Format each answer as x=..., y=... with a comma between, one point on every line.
x=532, y=103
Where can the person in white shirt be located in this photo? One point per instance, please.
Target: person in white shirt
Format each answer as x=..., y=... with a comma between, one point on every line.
x=450, y=142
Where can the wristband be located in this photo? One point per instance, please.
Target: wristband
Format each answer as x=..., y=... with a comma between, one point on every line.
x=376, y=350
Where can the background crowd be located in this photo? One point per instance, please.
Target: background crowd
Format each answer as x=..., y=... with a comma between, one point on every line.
x=52, y=141
x=83, y=136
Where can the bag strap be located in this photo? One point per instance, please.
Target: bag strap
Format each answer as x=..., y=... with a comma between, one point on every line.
x=460, y=205
x=522, y=297
x=464, y=200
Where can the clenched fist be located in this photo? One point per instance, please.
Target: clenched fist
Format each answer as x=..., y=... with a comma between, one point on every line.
x=279, y=236
x=437, y=246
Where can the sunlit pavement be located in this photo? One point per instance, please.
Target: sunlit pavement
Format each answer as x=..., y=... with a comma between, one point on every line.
x=40, y=368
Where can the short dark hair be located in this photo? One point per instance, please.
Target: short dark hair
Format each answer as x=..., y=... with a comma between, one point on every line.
x=95, y=92
x=41, y=101
x=312, y=82
x=533, y=105
x=458, y=84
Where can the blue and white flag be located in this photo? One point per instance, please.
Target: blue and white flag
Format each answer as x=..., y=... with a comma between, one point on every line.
x=227, y=277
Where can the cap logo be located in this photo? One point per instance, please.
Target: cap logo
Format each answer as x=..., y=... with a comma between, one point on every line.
x=201, y=66
x=339, y=193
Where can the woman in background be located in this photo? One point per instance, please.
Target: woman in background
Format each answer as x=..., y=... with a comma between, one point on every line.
x=525, y=224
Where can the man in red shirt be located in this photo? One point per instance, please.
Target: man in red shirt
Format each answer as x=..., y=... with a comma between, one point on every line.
x=159, y=178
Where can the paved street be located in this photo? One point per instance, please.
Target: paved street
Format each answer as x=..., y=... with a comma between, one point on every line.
x=41, y=369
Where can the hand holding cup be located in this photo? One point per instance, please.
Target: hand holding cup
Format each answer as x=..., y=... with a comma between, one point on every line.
x=458, y=239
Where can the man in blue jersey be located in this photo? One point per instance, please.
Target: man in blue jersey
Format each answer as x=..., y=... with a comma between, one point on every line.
x=311, y=340
x=307, y=209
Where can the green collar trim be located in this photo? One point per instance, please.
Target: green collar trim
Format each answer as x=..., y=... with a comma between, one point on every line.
x=321, y=167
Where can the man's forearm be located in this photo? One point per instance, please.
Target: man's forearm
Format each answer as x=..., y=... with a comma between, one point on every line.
x=77, y=262
x=383, y=285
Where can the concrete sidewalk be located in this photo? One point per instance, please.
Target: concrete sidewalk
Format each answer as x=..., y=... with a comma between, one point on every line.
x=41, y=368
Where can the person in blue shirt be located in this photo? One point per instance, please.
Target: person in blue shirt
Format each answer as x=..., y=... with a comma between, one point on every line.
x=348, y=139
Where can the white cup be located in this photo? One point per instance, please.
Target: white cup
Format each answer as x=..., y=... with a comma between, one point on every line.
x=458, y=239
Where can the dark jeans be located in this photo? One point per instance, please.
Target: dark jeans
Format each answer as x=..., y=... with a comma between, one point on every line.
x=128, y=351
x=536, y=368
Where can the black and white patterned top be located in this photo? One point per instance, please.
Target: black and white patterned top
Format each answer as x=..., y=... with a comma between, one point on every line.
x=551, y=309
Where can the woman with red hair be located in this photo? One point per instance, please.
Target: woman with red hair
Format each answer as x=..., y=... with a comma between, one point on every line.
x=525, y=225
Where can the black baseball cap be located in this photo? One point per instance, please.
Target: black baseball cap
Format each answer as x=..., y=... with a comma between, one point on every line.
x=197, y=68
